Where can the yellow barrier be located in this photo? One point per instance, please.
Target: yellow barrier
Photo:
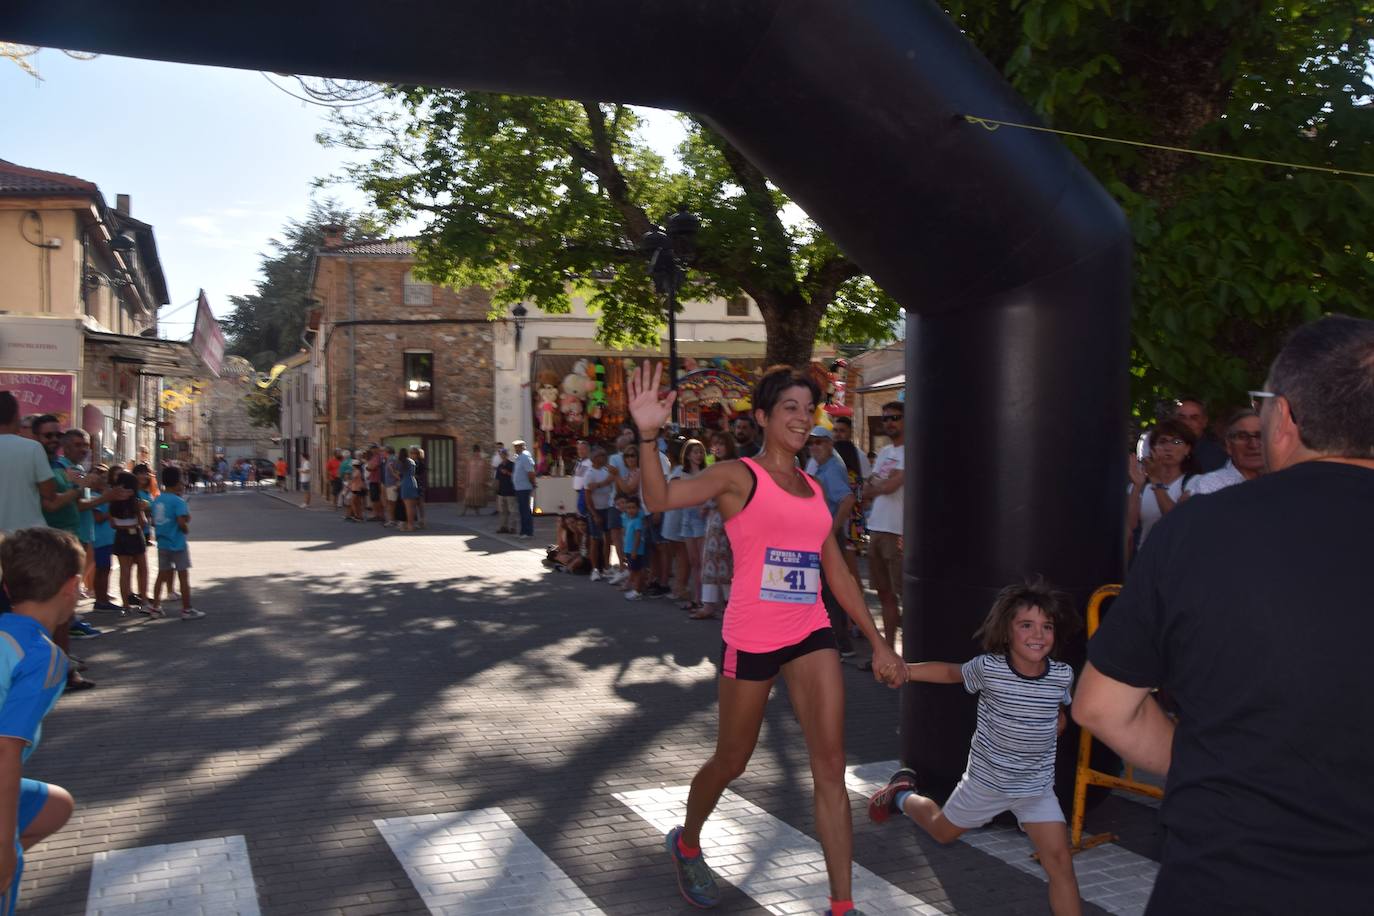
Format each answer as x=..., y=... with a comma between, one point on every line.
x=1085, y=775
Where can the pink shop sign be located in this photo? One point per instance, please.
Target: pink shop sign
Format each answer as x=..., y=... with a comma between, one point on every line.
x=43, y=392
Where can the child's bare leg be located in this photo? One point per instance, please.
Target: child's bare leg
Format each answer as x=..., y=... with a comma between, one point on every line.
x=142, y=561
x=102, y=585
x=1051, y=842
x=184, y=578
x=124, y=576
x=926, y=813
x=163, y=576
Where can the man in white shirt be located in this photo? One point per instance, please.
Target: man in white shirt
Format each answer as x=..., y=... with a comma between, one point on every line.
x=579, y=474
x=27, y=484
x=885, y=519
x=1245, y=453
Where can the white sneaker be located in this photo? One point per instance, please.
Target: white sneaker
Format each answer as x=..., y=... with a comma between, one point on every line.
x=596, y=576
x=191, y=613
x=619, y=576
x=632, y=595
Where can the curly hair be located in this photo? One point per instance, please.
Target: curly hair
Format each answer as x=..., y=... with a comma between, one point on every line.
x=995, y=631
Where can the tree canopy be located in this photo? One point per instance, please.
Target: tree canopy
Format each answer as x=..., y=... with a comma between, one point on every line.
x=531, y=196
x=540, y=199
x=1230, y=256
x=266, y=325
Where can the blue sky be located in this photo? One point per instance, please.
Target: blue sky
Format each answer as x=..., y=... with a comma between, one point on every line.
x=216, y=160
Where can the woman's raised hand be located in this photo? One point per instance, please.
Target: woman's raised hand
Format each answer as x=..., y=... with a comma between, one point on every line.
x=647, y=409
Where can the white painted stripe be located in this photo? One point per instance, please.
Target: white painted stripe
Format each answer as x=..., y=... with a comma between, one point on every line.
x=1114, y=878
x=476, y=862
x=201, y=877
x=781, y=868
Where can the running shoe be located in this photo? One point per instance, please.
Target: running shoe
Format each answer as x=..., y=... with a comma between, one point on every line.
x=845, y=913
x=632, y=595
x=695, y=879
x=107, y=606
x=80, y=629
x=191, y=613
x=596, y=576
x=619, y=576
x=883, y=804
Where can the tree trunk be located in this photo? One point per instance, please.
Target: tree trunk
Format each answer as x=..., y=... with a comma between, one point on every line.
x=791, y=324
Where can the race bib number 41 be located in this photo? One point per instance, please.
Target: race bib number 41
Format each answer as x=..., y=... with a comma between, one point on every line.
x=793, y=576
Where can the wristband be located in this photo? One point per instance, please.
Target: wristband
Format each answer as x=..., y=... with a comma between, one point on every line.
x=648, y=438
x=1160, y=486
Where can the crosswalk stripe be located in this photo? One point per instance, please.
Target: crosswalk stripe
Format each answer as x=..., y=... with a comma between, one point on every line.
x=203, y=876
x=780, y=867
x=478, y=862
x=1114, y=878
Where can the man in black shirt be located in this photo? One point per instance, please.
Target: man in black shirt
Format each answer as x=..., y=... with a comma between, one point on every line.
x=746, y=436
x=1250, y=607
x=1209, y=454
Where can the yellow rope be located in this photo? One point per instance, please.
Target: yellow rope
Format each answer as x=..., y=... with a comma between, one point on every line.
x=993, y=124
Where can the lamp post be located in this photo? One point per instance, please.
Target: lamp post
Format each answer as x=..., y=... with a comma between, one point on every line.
x=670, y=253
x=518, y=313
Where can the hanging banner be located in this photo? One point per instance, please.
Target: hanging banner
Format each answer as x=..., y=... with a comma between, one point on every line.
x=206, y=339
x=43, y=392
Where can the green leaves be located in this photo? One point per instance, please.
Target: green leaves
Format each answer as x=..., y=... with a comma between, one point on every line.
x=1229, y=256
x=541, y=199
x=266, y=325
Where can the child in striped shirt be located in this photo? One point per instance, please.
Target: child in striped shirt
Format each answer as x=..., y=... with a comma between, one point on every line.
x=1022, y=692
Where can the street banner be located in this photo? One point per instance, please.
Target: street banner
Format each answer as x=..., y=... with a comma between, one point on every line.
x=207, y=341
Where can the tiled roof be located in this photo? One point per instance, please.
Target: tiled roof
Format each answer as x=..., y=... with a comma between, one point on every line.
x=18, y=181
x=403, y=247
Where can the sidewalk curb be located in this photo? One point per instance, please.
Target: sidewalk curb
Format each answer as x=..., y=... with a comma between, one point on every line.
x=460, y=526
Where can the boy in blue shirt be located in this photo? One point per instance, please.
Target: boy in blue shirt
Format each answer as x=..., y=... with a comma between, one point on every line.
x=636, y=547
x=171, y=521
x=42, y=575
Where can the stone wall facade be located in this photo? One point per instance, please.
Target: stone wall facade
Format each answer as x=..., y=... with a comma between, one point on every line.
x=370, y=318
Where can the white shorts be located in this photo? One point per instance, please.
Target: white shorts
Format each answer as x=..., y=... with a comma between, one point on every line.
x=973, y=804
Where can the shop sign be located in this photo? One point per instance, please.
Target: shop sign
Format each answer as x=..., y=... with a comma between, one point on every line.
x=43, y=392
x=39, y=343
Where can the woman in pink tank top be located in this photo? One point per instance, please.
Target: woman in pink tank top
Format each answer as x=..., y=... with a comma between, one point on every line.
x=775, y=623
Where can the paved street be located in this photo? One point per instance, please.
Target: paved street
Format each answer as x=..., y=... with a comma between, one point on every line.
x=498, y=720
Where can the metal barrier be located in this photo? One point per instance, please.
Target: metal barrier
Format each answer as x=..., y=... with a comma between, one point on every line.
x=1085, y=775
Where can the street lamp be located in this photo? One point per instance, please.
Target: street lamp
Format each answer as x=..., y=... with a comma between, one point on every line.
x=670, y=253
x=518, y=312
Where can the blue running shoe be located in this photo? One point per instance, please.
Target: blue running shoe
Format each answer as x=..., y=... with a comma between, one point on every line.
x=80, y=629
x=694, y=877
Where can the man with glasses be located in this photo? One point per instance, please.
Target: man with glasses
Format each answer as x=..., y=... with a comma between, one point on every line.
x=1250, y=607
x=885, y=520
x=1246, y=457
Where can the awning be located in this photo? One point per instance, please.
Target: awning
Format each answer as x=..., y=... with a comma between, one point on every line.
x=152, y=355
x=887, y=384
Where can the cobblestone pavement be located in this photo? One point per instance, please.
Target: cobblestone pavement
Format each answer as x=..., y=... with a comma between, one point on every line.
x=379, y=723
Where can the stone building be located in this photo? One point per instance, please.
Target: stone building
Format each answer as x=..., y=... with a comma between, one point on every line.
x=225, y=418
x=398, y=361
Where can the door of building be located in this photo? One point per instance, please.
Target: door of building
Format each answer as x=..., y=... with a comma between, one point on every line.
x=439, y=450
x=439, y=456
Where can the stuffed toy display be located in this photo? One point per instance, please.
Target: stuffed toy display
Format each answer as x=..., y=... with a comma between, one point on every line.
x=548, y=407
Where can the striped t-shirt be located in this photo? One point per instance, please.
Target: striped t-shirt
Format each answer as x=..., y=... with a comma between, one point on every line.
x=1018, y=718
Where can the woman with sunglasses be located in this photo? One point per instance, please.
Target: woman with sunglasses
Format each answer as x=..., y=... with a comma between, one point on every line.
x=775, y=622
x=1158, y=481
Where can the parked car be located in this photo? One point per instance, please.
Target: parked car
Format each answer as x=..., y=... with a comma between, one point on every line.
x=267, y=469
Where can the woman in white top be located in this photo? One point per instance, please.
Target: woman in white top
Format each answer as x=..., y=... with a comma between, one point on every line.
x=1157, y=482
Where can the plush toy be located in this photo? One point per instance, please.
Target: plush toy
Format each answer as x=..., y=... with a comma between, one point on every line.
x=570, y=405
x=548, y=407
x=576, y=383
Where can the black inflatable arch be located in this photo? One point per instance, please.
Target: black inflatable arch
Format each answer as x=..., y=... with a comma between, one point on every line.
x=1012, y=263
